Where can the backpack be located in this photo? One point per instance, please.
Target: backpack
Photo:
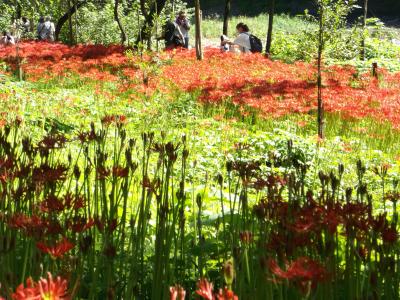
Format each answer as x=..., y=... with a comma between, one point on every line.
x=170, y=36
x=169, y=29
x=256, y=45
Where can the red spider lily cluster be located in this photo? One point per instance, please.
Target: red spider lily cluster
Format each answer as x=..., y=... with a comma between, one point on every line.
x=63, y=216
x=57, y=250
x=303, y=272
x=205, y=290
x=45, y=289
x=271, y=87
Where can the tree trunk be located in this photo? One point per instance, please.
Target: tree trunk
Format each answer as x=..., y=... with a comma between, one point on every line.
x=199, y=49
x=70, y=27
x=155, y=10
x=64, y=18
x=321, y=120
x=227, y=15
x=173, y=6
x=364, y=27
x=270, y=26
x=18, y=10
x=116, y=18
x=143, y=8
x=76, y=23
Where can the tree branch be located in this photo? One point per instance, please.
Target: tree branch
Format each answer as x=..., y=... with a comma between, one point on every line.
x=64, y=18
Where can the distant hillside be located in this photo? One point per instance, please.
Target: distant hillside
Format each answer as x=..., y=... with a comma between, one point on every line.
x=378, y=8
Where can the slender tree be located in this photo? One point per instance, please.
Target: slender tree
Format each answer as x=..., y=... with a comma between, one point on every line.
x=364, y=27
x=199, y=49
x=321, y=44
x=117, y=19
x=271, y=13
x=70, y=26
x=64, y=18
x=332, y=18
x=150, y=18
x=227, y=14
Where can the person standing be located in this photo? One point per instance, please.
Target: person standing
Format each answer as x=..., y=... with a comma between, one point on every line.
x=46, y=30
x=50, y=29
x=40, y=28
x=184, y=26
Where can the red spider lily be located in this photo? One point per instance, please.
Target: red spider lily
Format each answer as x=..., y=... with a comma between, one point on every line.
x=120, y=172
x=73, y=202
x=389, y=235
x=46, y=173
x=177, y=293
x=271, y=87
x=31, y=225
x=53, y=289
x=116, y=119
x=29, y=292
x=392, y=196
x=53, y=141
x=205, y=289
x=52, y=204
x=54, y=227
x=58, y=250
x=44, y=289
x=226, y=294
x=302, y=270
x=80, y=224
x=246, y=237
x=87, y=136
x=21, y=221
x=102, y=172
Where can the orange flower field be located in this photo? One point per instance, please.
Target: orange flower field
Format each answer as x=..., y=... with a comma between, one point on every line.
x=273, y=88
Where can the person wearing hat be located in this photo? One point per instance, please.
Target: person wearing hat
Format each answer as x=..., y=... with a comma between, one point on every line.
x=184, y=26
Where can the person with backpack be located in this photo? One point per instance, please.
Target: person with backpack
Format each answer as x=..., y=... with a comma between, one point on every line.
x=39, y=28
x=246, y=42
x=184, y=27
x=172, y=36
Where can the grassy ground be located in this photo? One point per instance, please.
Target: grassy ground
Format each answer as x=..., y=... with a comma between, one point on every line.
x=258, y=25
x=293, y=40
x=180, y=175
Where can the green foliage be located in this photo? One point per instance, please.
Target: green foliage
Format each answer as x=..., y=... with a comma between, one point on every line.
x=294, y=38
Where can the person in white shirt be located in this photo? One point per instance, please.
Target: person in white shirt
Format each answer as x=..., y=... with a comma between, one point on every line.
x=242, y=41
x=46, y=30
x=184, y=27
x=7, y=39
x=243, y=38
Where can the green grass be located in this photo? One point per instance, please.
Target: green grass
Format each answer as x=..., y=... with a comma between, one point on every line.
x=212, y=28
x=294, y=39
x=213, y=135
